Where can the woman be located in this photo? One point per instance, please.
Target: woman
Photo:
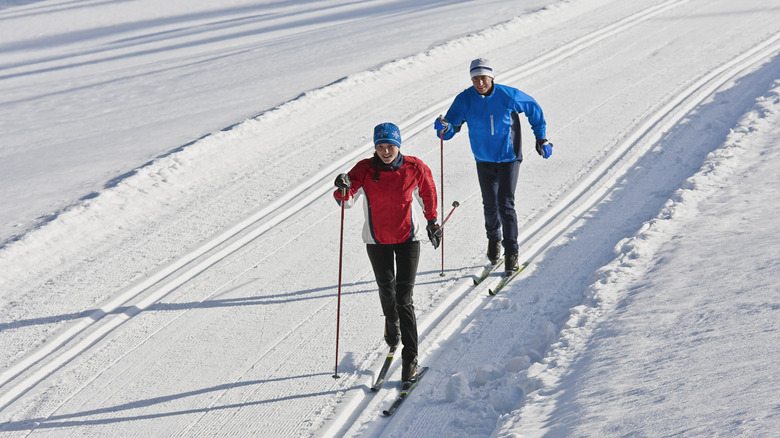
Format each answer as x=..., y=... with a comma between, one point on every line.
x=389, y=181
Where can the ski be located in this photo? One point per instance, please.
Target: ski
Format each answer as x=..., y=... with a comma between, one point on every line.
x=405, y=392
x=506, y=280
x=380, y=378
x=487, y=270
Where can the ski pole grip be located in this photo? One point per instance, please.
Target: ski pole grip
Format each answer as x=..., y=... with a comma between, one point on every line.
x=455, y=204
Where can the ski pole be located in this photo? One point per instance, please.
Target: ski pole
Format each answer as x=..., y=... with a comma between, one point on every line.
x=441, y=148
x=455, y=204
x=338, y=305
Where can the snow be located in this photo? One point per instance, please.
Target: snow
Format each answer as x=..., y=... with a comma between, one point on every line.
x=681, y=323
x=170, y=247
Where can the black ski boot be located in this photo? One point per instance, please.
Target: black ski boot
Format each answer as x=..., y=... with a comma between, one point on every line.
x=408, y=372
x=392, y=332
x=494, y=251
x=511, y=264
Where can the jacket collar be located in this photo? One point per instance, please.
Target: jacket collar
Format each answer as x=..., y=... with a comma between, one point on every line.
x=490, y=92
x=395, y=165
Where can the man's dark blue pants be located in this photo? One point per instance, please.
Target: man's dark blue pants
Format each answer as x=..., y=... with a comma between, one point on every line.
x=497, y=182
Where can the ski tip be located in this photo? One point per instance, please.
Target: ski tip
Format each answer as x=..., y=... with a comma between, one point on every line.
x=386, y=413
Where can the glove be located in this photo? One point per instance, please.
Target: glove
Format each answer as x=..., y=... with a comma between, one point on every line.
x=434, y=233
x=441, y=125
x=343, y=182
x=544, y=147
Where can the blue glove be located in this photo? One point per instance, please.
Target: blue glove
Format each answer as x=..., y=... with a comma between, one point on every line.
x=441, y=125
x=544, y=148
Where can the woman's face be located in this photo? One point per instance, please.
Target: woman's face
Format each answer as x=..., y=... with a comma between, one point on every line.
x=387, y=152
x=482, y=84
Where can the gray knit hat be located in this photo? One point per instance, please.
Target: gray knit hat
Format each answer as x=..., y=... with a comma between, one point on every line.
x=481, y=67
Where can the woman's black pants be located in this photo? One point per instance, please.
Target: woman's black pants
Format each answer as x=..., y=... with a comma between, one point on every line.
x=395, y=269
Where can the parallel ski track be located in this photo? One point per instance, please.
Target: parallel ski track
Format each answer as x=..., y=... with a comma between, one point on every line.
x=28, y=372
x=465, y=301
x=68, y=344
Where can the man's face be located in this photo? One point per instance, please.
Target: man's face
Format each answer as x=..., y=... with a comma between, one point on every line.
x=482, y=84
x=387, y=152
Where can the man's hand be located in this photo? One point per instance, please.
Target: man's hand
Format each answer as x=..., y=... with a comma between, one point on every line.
x=544, y=147
x=441, y=125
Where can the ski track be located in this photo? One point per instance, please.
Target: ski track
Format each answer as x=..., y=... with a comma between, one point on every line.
x=637, y=258
x=561, y=220
x=346, y=406
x=186, y=268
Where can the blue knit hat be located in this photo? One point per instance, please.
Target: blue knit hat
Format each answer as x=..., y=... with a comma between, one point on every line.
x=387, y=133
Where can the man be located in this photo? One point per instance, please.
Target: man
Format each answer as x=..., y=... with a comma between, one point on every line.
x=392, y=229
x=492, y=113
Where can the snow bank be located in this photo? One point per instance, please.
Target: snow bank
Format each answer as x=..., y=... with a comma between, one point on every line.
x=747, y=143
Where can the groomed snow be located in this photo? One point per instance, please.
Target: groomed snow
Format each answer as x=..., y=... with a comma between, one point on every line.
x=170, y=248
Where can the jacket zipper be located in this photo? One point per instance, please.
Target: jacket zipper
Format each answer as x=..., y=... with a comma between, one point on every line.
x=492, y=131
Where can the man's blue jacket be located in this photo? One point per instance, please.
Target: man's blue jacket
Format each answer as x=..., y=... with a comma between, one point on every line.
x=494, y=124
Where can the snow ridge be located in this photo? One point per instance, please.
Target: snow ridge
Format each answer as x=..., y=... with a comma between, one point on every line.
x=635, y=257
x=129, y=202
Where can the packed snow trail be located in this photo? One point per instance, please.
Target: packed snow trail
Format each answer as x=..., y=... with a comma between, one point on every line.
x=118, y=85
x=684, y=319
x=157, y=286
x=231, y=351
x=568, y=220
